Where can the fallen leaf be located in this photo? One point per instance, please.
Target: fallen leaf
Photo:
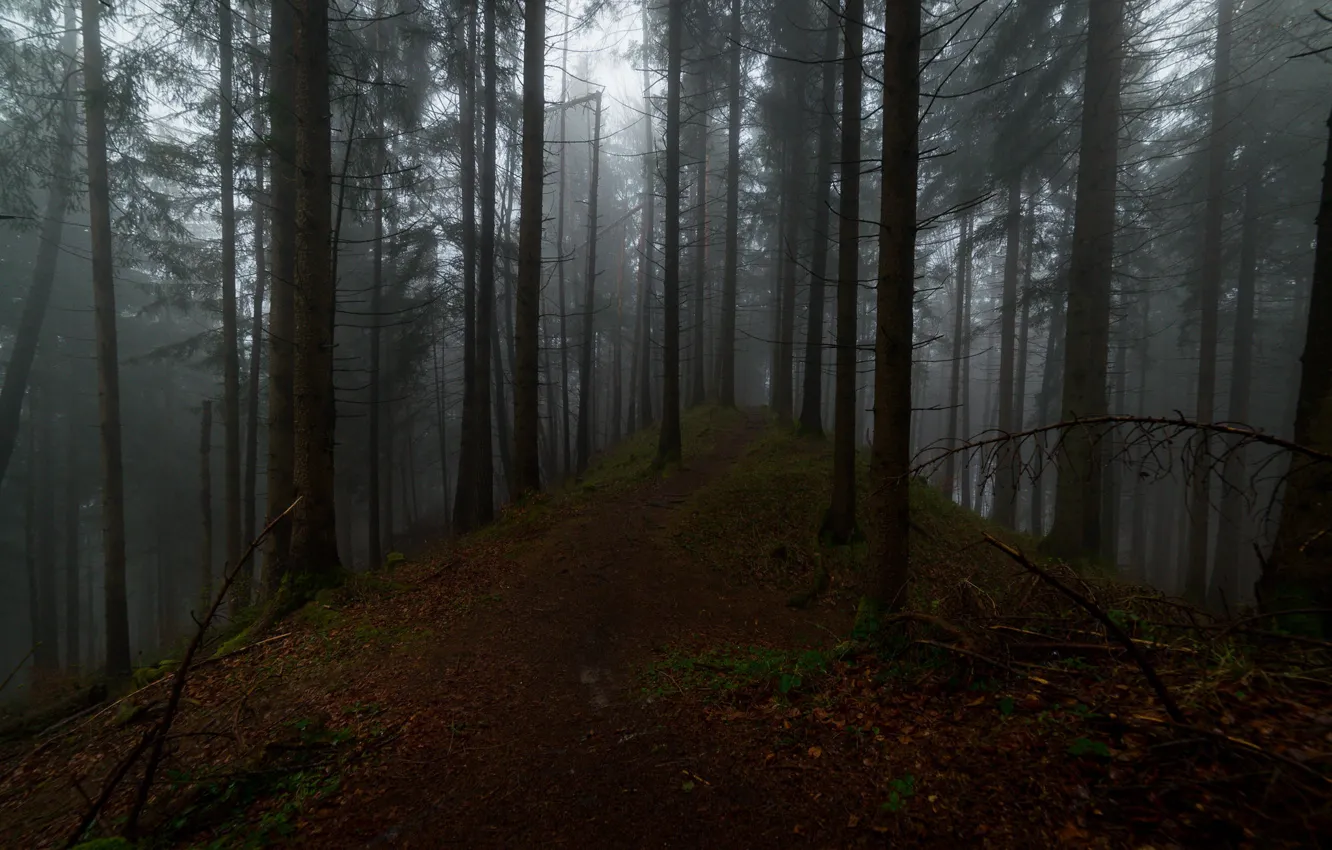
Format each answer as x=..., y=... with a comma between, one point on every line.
x=815, y=752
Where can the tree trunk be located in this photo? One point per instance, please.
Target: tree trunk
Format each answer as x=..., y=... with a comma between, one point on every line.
x=465, y=502
x=240, y=589
x=206, y=505
x=314, y=546
x=964, y=404
x=1045, y=399
x=108, y=361
x=73, y=498
x=585, y=377
x=730, y=278
x=961, y=350
x=617, y=364
x=811, y=400
x=527, y=319
x=1006, y=468
x=1024, y=340
x=249, y=498
x=1296, y=574
x=279, y=482
x=567, y=456
x=1076, y=532
x=485, y=294
x=1234, y=532
x=840, y=524
x=890, y=457
x=697, y=356
x=783, y=379
x=668, y=447
x=1218, y=153
x=1138, y=516
x=505, y=307
x=19, y=367
x=374, y=549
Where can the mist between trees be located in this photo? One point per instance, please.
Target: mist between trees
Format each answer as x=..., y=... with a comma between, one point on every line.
x=378, y=257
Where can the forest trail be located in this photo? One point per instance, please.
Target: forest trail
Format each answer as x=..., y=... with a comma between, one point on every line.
x=532, y=727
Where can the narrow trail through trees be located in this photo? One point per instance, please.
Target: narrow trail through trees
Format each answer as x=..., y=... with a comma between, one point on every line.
x=533, y=727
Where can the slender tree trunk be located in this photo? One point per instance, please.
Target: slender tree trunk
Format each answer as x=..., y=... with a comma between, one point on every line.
x=314, y=545
x=668, y=447
x=41, y=526
x=73, y=498
x=484, y=461
x=567, y=458
x=206, y=504
x=840, y=524
x=1138, y=515
x=18, y=369
x=375, y=551
x=240, y=589
x=731, y=273
x=697, y=356
x=279, y=481
x=1234, y=533
x=783, y=380
x=585, y=377
x=108, y=361
x=811, y=402
x=1006, y=470
x=1050, y=377
x=505, y=307
x=465, y=516
x=1114, y=464
x=1076, y=532
x=1218, y=153
x=249, y=498
x=890, y=457
x=1024, y=340
x=961, y=350
x=964, y=410
x=617, y=364
x=647, y=269
x=527, y=319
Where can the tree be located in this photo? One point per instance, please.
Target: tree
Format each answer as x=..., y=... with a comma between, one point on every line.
x=668, y=447
x=811, y=405
x=1296, y=573
x=730, y=274
x=1218, y=153
x=646, y=266
x=527, y=320
x=585, y=379
x=314, y=547
x=840, y=523
x=240, y=595
x=890, y=459
x=484, y=462
x=465, y=510
x=108, y=360
x=1006, y=471
x=1076, y=532
x=280, y=480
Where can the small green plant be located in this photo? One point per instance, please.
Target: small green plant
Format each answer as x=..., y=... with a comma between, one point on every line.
x=899, y=791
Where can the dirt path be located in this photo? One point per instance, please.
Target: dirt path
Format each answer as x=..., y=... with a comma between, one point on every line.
x=532, y=729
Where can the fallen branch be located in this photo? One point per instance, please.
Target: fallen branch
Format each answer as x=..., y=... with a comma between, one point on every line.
x=1113, y=628
x=156, y=737
x=1238, y=743
x=19, y=666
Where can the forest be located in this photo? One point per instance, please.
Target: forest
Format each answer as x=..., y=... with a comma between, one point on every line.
x=494, y=423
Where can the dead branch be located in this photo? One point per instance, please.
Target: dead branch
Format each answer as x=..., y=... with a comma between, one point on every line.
x=19, y=666
x=156, y=737
x=1238, y=743
x=1167, y=701
x=914, y=617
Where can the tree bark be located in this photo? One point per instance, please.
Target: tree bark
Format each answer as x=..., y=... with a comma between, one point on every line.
x=108, y=361
x=19, y=367
x=697, y=356
x=1218, y=154
x=484, y=468
x=811, y=399
x=890, y=457
x=731, y=273
x=1006, y=469
x=240, y=589
x=279, y=481
x=1234, y=531
x=668, y=447
x=249, y=498
x=374, y=549
x=206, y=504
x=648, y=272
x=840, y=524
x=1076, y=532
x=1296, y=573
x=314, y=547
x=961, y=351
x=585, y=377
x=527, y=319
x=73, y=498
x=465, y=502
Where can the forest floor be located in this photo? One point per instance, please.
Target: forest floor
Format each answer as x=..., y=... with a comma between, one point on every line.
x=638, y=662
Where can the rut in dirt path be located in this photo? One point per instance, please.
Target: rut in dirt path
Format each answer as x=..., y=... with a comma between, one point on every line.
x=549, y=733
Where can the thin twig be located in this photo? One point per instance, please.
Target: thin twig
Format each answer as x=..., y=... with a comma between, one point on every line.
x=19, y=666
x=1167, y=701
